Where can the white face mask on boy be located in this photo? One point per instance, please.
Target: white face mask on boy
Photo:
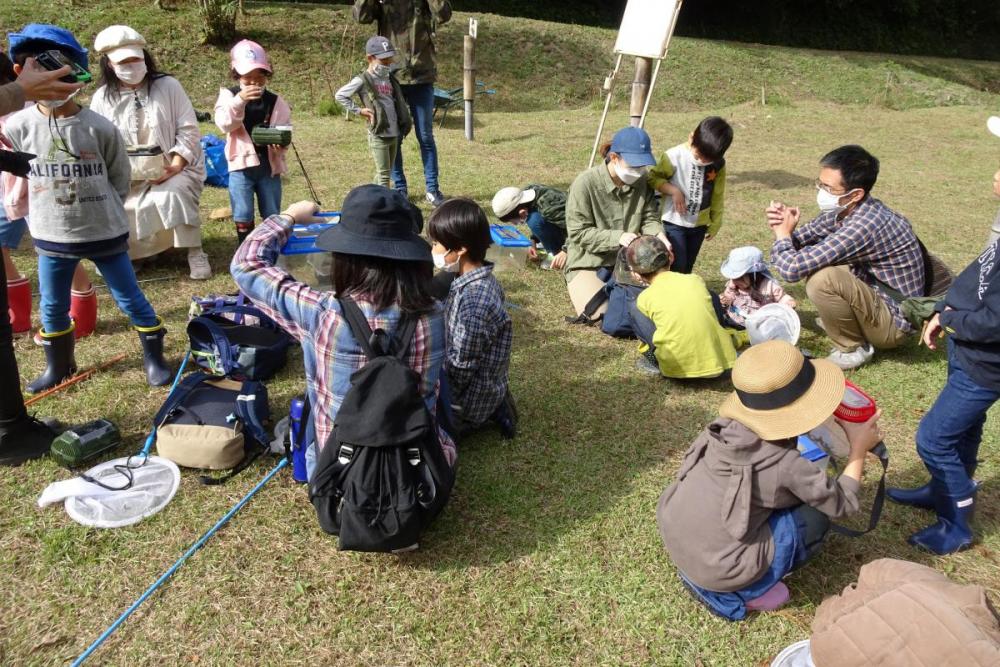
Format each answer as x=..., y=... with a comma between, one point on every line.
x=441, y=264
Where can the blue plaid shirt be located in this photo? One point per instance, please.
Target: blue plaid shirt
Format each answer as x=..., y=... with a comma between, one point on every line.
x=480, y=337
x=330, y=353
x=875, y=241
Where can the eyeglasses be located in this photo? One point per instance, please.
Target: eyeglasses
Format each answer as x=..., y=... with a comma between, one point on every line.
x=820, y=185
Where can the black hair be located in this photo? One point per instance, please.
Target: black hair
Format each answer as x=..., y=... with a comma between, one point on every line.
x=32, y=48
x=236, y=75
x=385, y=281
x=110, y=79
x=515, y=215
x=6, y=69
x=712, y=138
x=858, y=168
x=461, y=223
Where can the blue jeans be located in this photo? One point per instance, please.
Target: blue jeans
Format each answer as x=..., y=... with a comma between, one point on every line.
x=11, y=231
x=949, y=434
x=642, y=326
x=55, y=278
x=553, y=238
x=245, y=183
x=798, y=534
x=686, y=244
x=420, y=98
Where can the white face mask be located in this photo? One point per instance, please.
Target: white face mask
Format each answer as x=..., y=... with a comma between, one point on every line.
x=130, y=74
x=381, y=70
x=830, y=202
x=627, y=174
x=441, y=263
x=55, y=104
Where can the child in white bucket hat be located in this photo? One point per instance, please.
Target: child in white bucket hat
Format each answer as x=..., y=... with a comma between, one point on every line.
x=749, y=287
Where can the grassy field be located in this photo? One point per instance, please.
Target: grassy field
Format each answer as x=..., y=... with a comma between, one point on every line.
x=548, y=552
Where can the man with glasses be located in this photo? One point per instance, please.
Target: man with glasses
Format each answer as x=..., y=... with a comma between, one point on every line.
x=849, y=255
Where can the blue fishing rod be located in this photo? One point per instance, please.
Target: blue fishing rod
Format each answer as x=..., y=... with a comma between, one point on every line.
x=180, y=561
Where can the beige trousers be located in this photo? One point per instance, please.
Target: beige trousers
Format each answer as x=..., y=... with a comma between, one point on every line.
x=852, y=312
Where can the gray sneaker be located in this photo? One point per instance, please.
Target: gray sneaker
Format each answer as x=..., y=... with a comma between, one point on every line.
x=435, y=198
x=647, y=363
x=849, y=360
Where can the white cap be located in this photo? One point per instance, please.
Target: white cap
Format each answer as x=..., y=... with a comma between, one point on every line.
x=994, y=125
x=510, y=198
x=775, y=321
x=119, y=42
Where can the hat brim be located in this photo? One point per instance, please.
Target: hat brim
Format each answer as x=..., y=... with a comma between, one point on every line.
x=124, y=53
x=809, y=411
x=342, y=240
x=385, y=54
x=638, y=159
x=245, y=68
x=993, y=124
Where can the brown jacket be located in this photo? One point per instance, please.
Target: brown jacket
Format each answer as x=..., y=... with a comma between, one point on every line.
x=713, y=519
x=902, y=614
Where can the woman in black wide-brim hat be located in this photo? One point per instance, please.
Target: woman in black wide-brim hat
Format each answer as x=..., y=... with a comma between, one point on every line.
x=383, y=265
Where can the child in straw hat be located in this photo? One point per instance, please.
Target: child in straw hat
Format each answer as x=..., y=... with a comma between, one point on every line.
x=746, y=508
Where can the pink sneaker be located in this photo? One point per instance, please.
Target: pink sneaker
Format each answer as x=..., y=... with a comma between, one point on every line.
x=775, y=598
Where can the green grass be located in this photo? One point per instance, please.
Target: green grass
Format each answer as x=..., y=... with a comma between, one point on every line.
x=548, y=552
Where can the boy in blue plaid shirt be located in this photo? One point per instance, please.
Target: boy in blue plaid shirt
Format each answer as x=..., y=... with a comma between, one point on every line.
x=479, y=331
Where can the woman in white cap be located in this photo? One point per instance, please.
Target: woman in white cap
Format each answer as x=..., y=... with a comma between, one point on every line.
x=158, y=122
x=747, y=508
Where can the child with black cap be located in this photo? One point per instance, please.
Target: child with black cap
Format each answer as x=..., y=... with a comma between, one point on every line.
x=382, y=103
x=79, y=175
x=383, y=265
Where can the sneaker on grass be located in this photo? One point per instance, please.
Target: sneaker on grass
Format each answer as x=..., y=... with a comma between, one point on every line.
x=848, y=360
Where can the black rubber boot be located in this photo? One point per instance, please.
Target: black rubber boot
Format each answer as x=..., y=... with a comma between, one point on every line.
x=59, y=358
x=243, y=230
x=157, y=371
x=24, y=439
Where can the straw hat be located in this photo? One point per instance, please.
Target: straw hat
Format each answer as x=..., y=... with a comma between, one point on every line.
x=781, y=394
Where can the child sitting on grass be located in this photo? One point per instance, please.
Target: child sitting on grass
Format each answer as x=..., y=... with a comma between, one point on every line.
x=479, y=329
x=749, y=286
x=674, y=318
x=382, y=104
x=692, y=176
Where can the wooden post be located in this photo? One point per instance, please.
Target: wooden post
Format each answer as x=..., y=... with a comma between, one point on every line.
x=469, y=80
x=640, y=90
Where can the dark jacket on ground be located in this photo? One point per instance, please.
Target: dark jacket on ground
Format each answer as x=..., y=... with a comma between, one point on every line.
x=974, y=319
x=713, y=519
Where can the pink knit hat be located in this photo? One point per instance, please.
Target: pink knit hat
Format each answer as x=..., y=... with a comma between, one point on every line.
x=247, y=56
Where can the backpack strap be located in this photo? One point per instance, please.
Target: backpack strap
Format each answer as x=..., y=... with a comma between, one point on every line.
x=359, y=326
x=405, y=337
x=883, y=456
x=587, y=316
x=177, y=395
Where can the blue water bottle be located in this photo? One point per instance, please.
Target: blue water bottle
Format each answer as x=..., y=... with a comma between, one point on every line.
x=297, y=432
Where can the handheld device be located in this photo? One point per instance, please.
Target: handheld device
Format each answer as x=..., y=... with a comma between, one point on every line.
x=858, y=407
x=144, y=150
x=263, y=135
x=85, y=442
x=55, y=59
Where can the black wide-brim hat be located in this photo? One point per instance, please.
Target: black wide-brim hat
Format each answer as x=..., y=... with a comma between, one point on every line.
x=377, y=222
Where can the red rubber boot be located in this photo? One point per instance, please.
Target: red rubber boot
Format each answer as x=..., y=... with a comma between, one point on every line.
x=83, y=310
x=19, y=304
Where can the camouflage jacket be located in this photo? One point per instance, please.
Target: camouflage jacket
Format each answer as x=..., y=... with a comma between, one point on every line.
x=410, y=26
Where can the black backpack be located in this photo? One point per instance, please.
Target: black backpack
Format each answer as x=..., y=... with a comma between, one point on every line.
x=382, y=477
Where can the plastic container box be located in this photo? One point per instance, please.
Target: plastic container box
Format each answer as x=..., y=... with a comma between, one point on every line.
x=808, y=449
x=510, y=248
x=301, y=258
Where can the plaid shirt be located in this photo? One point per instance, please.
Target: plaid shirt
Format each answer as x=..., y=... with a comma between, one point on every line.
x=875, y=241
x=480, y=337
x=330, y=353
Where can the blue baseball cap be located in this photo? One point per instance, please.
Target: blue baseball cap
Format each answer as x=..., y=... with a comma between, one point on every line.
x=47, y=36
x=634, y=146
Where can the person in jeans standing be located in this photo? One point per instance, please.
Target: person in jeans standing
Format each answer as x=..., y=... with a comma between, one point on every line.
x=410, y=26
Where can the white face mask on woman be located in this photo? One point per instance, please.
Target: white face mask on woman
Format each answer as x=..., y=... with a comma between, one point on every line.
x=130, y=74
x=627, y=174
x=441, y=263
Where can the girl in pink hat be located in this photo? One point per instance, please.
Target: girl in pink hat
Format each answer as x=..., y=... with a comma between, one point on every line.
x=253, y=169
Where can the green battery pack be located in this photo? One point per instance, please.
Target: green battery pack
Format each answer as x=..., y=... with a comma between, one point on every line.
x=271, y=136
x=85, y=442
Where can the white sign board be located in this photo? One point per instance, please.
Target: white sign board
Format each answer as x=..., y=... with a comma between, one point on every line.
x=646, y=27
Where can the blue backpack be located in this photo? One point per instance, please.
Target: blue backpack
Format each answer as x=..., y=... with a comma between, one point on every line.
x=236, y=349
x=216, y=165
x=617, y=320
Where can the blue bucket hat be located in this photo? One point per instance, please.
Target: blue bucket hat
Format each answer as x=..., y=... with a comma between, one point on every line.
x=634, y=146
x=744, y=260
x=47, y=36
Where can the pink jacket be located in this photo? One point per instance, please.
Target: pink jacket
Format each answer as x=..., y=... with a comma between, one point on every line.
x=240, y=150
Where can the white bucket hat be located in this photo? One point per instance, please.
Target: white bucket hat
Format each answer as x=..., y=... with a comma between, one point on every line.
x=743, y=260
x=507, y=199
x=775, y=321
x=993, y=123
x=120, y=42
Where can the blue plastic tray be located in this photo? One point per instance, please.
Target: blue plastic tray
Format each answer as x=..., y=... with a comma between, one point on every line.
x=508, y=236
x=303, y=238
x=810, y=450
